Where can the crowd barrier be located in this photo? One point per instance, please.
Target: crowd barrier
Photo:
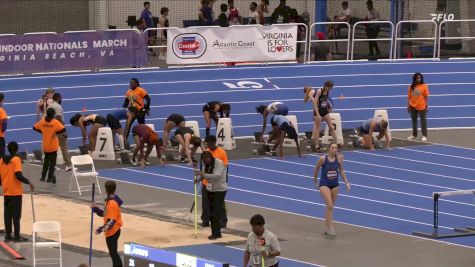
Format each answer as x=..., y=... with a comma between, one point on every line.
x=97, y=50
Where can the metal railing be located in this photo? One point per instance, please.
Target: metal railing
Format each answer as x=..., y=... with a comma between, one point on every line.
x=454, y=37
x=397, y=38
x=391, y=39
x=37, y=33
x=145, y=33
x=347, y=40
x=305, y=41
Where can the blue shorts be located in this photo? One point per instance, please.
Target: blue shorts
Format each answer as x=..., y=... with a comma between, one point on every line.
x=331, y=186
x=363, y=131
x=282, y=110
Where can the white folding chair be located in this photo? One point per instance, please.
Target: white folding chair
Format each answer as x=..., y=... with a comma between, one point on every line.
x=76, y=162
x=50, y=227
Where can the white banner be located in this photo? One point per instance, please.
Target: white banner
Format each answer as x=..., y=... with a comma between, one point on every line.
x=231, y=44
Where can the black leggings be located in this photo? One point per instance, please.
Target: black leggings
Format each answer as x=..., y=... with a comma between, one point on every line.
x=12, y=213
x=49, y=163
x=216, y=208
x=112, y=246
x=205, y=205
x=423, y=115
x=2, y=146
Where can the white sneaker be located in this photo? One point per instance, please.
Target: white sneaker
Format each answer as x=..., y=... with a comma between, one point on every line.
x=329, y=234
x=134, y=162
x=424, y=139
x=147, y=163
x=412, y=137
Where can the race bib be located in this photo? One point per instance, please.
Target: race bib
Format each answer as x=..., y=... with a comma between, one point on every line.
x=324, y=104
x=332, y=174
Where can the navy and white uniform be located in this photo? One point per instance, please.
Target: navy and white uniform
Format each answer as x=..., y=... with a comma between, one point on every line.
x=324, y=103
x=277, y=108
x=285, y=125
x=364, y=128
x=114, y=118
x=210, y=106
x=330, y=173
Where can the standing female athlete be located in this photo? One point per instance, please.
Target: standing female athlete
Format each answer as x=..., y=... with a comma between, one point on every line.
x=210, y=111
x=322, y=106
x=332, y=166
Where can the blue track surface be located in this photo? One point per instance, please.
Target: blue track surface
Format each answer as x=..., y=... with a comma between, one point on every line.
x=365, y=87
x=391, y=190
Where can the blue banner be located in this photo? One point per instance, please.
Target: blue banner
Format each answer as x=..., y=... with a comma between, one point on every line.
x=47, y=52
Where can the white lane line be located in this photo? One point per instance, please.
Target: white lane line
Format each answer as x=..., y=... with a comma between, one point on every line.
x=296, y=200
x=358, y=173
x=433, y=153
x=245, y=78
x=418, y=161
x=341, y=194
x=313, y=65
x=293, y=213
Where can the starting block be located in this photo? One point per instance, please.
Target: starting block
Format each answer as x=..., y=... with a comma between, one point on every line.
x=124, y=158
x=23, y=156
x=127, y=146
x=225, y=136
x=168, y=154
x=104, y=149
x=196, y=129
x=261, y=148
x=83, y=150
x=336, y=124
x=382, y=114
x=194, y=126
x=355, y=139
x=59, y=157
x=38, y=155
x=310, y=144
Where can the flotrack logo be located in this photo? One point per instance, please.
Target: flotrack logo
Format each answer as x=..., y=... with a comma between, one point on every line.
x=189, y=45
x=442, y=17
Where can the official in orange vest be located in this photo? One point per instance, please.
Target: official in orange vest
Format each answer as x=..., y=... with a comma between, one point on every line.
x=11, y=178
x=112, y=221
x=49, y=127
x=135, y=97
